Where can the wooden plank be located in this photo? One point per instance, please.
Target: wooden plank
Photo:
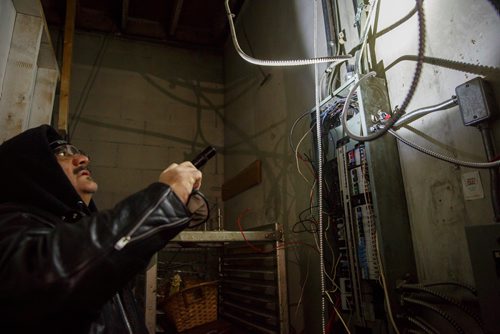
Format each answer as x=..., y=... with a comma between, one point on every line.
x=177, y=13
x=125, y=6
x=69, y=29
x=246, y=179
x=20, y=73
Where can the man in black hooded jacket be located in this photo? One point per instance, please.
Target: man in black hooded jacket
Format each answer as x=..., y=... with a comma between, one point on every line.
x=64, y=268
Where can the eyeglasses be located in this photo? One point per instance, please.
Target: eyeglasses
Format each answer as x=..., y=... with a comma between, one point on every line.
x=68, y=151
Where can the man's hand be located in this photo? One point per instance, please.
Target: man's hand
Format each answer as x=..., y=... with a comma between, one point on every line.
x=182, y=179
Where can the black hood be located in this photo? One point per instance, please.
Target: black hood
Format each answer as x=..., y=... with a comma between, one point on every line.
x=30, y=174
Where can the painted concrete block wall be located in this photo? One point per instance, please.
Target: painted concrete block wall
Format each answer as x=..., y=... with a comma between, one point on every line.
x=462, y=43
x=137, y=107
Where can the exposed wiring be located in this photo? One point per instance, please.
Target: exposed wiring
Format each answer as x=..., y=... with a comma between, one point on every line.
x=293, y=62
x=260, y=250
x=320, y=171
x=410, y=117
x=458, y=284
x=446, y=298
x=422, y=324
x=297, y=155
x=469, y=164
x=437, y=310
x=416, y=76
x=364, y=37
x=303, y=288
x=384, y=287
x=338, y=313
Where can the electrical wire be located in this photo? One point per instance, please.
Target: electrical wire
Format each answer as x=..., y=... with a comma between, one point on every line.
x=458, y=284
x=384, y=286
x=469, y=164
x=320, y=170
x=364, y=37
x=303, y=287
x=437, y=310
x=260, y=250
x=446, y=298
x=338, y=313
x=410, y=117
x=422, y=324
x=416, y=76
x=297, y=155
x=293, y=62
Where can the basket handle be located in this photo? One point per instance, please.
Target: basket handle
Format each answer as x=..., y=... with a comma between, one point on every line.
x=197, y=287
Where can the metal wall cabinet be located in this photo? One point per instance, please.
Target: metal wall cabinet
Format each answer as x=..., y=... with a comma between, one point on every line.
x=252, y=280
x=366, y=204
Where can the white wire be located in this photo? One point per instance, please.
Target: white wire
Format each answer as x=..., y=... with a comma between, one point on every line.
x=260, y=62
x=297, y=155
x=384, y=286
x=337, y=312
x=303, y=287
x=364, y=37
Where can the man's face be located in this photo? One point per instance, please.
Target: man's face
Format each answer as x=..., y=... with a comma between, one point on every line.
x=75, y=164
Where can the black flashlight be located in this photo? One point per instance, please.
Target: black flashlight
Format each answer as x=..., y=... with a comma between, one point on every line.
x=203, y=157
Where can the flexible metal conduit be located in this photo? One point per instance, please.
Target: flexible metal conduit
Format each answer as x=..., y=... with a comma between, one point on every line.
x=293, y=62
x=453, y=301
x=410, y=117
x=470, y=164
x=409, y=95
x=442, y=313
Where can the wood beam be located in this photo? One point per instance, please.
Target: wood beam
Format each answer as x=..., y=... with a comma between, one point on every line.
x=125, y=6
x=175, y=19
x=69, y=30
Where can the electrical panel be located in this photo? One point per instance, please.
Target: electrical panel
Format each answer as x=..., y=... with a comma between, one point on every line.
x=366, y=202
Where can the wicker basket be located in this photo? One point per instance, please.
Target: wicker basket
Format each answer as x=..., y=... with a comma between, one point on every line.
x=193, y=306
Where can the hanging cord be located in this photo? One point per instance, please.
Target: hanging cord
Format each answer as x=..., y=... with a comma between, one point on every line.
x=293, y=62
x=465, y=309
x=437, y=310
x=416, y=76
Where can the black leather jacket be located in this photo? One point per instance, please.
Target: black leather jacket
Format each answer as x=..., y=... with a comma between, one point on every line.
x=64, y=268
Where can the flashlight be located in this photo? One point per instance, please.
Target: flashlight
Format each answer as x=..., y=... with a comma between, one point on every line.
x=203, y=157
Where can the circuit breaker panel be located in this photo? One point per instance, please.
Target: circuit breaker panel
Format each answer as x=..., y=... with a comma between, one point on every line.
x=367, y=205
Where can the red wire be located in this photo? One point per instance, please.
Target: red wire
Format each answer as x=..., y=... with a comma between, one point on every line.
x=285, y=245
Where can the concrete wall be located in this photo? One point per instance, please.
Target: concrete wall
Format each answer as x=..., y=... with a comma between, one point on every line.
x=136, y=107
x=462, y=43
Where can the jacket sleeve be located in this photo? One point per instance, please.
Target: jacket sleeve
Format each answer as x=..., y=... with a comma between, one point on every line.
x=46, y=266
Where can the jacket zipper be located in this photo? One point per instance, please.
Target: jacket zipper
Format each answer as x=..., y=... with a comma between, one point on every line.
x=126, y=239
x=124, y=314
